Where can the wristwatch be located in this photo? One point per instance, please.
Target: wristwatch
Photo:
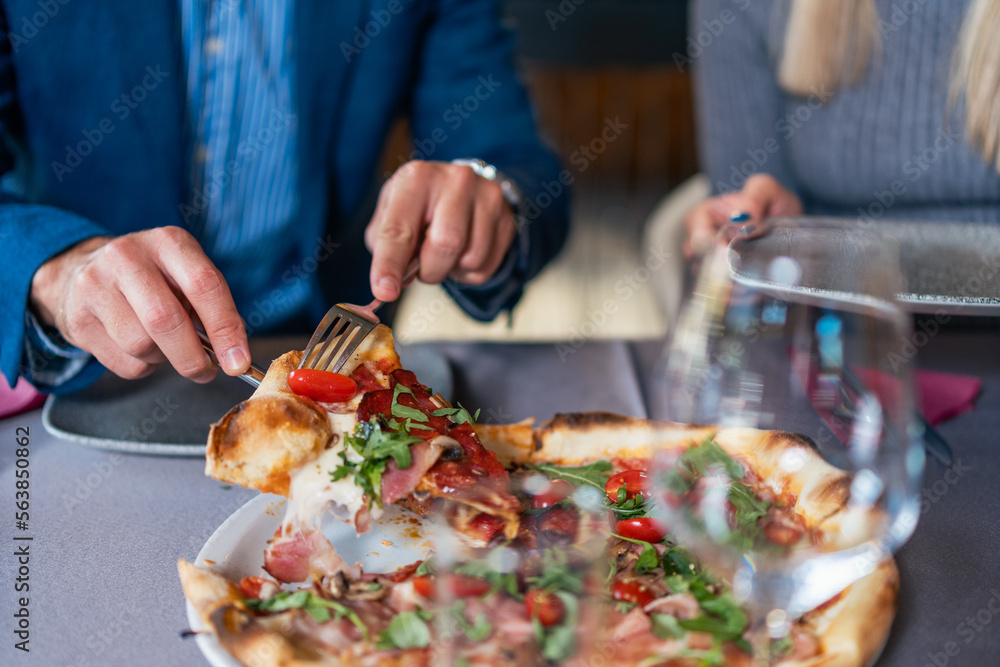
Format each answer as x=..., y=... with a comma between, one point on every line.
x=511, y=193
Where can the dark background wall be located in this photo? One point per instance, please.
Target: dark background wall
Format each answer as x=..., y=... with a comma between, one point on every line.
x=588, y=62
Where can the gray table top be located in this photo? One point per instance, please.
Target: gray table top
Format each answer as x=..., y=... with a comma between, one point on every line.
x=108, y=527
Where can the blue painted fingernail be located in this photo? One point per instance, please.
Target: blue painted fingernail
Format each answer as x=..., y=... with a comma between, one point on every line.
x=739, y=216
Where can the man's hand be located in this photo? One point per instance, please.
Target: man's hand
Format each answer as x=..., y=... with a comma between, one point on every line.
x=130, y=300
x=761, y=197
x=459, y=222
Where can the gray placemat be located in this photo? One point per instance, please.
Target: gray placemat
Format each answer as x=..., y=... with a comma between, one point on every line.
x=168, y=415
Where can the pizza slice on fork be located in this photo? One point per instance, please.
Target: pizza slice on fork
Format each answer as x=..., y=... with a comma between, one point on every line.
x=392, y=441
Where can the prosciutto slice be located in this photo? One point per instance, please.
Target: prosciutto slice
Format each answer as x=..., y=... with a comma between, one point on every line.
x=299, y=556
x=399, y=483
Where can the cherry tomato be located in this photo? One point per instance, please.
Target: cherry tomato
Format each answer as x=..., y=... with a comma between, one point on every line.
x=322, y=386
x=635, y=482
x=557, y=490
x=462, y=586
x=644, y=528
x=250, y=587
x=423, y=584
x=631, y=591
x=547, y=607
x=485, y=527
x=465, y=586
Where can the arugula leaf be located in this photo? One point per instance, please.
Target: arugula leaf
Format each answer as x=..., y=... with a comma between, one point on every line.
x=677, y=561
x=410, y=424
x=459, y=415
x=406, y=412
x=400, y=389
x=282, y=601
x=499, y=581
x=557, y=575
x=781, y=647
x=721, y=617
x=559, y=642
x=425, y=568
x=406, y=630
x=666, y=626
x=376, y=444
x=648, y=560
x=317, y=607
x=594, y=474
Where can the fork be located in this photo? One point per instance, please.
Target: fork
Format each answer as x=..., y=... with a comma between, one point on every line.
x=252, y=376
x=342, y=330
x=934, y=442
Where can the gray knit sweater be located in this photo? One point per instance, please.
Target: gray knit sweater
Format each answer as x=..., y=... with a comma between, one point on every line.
x=886, y=147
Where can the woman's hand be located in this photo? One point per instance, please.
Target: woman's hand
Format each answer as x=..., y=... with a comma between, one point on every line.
x=761, y=197
x=129, y=301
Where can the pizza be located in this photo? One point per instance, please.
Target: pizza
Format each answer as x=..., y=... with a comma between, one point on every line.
x=388, y=439
x=656, y=604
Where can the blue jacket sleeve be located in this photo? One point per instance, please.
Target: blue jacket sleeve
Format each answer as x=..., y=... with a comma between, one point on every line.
x=467, y=79
x=29, y=236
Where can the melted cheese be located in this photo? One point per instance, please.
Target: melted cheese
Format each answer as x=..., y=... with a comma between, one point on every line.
x=311, y=492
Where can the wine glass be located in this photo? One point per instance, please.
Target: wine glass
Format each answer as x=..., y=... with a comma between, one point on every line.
x=792, y=337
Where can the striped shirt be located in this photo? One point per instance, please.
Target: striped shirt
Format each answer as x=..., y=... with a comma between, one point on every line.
x=241, y=129
x=243, y=180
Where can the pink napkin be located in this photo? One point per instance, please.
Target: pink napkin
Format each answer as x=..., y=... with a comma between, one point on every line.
x=21, y=398
x=946, y=395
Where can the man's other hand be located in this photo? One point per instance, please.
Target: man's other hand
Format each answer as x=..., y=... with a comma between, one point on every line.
x=458, y=222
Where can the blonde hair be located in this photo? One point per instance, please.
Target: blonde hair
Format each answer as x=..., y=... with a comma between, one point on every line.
x=830, y=43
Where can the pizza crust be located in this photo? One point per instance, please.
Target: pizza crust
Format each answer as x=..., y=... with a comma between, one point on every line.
x=575, y=438
x=220, y=608
x=853, y=630
x=263, y=440
x=260, y=441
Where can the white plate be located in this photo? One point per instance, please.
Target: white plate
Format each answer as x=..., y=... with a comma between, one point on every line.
x=236, y=550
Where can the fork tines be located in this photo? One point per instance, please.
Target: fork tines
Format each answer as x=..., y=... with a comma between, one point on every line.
x=335, y=339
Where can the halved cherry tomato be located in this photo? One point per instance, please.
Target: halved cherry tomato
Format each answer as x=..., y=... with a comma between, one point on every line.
x=631, y=591
x=557, y=490
x=547, y=607
x=322, y=386
x=462, y=586
x=644, y=528
x=465, y=586
x=250, y=587
x=423, y=584
x=635, y=482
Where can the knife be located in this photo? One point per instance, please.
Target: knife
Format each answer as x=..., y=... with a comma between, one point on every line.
x=934, y=442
